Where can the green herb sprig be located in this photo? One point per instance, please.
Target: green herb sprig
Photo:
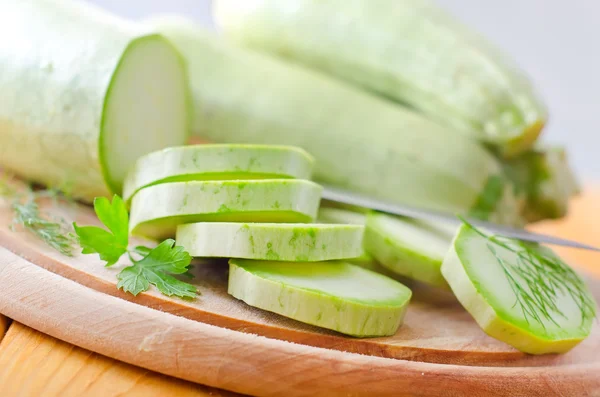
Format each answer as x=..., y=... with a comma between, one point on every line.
x=156, y=266
x=27, y=214
x=537, y=278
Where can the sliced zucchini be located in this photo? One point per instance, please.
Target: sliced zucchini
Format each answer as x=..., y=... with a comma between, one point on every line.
x=411, y=51
x=217, y=162
x=271, y=241
x=80, y=98
x=334, y=295
x=410, y=248
x=348, y=217
x=157, y=210
x=520, y=293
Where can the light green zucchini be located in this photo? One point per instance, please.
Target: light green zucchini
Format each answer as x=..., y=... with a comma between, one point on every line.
x=80, y=98
x=348, y=217
x=217, y=162
x=334, y=295
x=409, y=248
x=360, y=142
x=537, y=306
x=271, y=241
x=157, y=210
x=544, y=180
x=408, y=50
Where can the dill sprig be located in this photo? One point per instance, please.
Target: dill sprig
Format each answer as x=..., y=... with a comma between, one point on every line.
x=54, y=232
x=538, y=278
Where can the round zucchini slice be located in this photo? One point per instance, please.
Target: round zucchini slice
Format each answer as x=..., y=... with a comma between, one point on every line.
x=217, y=162
x=334, y=295
x=271, y=241
x=157, y=210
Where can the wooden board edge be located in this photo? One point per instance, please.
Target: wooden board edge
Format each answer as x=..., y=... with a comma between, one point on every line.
x=35, y=364
x=247, y=363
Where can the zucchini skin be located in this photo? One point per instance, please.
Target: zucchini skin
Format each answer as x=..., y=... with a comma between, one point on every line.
x=56, y=73
x=410, y=51
x=360, y=142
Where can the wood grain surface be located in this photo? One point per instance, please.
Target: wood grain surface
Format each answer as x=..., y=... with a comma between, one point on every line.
x=436, y=329
x=34, y=364
x=253, y=364
x=440, y=348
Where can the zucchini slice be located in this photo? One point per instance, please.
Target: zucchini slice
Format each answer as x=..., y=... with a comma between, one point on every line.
x=217, y=162
x=80, y=99
x=410, y=248
x=271, y=241
x=157, y=210
x=522, y=294
x=334, y=295
x=348, y=217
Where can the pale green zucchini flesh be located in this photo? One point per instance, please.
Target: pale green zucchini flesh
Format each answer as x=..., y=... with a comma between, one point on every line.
x=217, y=162
x=334, y=295
x=271, y=241
x=409, y=248
x=410, y=51
x=348, y=217
x=157, y=210
x=491, y=282
x=360, y=142
x=80, y=98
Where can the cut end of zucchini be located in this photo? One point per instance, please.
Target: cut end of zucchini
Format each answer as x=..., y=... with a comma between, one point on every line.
x=271, y=241
x=334, y=295
x=146, y=107
x=507, y=298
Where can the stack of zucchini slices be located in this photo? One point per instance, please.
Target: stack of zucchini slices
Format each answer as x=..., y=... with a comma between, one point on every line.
x=255, y=205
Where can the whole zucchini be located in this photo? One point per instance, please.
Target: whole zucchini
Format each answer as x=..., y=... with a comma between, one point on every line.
x=359, y=141
x=408, y=50
x=84, y=94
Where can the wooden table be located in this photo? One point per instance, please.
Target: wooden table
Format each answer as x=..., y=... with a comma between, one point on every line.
x=34, y=364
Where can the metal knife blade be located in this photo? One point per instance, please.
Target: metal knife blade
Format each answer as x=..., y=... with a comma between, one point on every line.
x=350, y=198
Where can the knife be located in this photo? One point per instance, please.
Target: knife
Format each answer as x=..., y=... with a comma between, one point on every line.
x=346, y=197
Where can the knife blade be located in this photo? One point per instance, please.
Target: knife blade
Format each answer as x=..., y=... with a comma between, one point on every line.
x=351, y=198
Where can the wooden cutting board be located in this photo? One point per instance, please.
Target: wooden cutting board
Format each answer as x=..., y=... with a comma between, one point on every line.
x=219, y=341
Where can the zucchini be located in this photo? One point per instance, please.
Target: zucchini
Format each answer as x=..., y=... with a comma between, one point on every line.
x=520, y=293
x=80, y=99
x=157, y=210
x=334, y=295
x=271, y=241
x=217, y=162
x=410, y=51
x=544, y=181
x=360, y=142
x=348, y=217
x=409, y=248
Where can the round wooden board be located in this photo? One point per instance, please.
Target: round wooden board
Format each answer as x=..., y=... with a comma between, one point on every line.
x=219, y=341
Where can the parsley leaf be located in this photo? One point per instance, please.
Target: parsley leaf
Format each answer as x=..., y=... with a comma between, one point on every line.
x=156, y=268
x=111, y=245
